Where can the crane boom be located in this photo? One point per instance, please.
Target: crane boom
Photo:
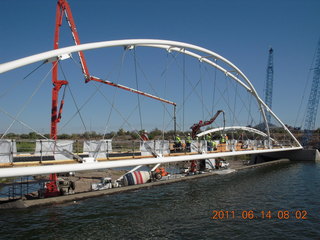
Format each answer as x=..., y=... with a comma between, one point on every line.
x=196, y=127
x=63, y=8
x=313, y=102
x=269, y=83
x=131, y=90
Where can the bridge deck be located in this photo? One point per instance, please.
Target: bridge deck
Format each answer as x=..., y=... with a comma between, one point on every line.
x=28, y=160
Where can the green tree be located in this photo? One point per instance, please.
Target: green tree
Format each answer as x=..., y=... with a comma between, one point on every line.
x=11, y=135
x=121, y=132
x=33, y=135
x=64, y=136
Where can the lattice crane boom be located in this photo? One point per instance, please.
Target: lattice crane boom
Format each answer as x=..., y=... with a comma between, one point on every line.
x=314, y=97
x=269, y=83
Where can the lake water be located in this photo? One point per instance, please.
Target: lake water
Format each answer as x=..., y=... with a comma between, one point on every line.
x=274, y=202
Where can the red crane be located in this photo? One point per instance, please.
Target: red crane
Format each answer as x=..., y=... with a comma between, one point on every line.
x=63, y=9
x=196, y=127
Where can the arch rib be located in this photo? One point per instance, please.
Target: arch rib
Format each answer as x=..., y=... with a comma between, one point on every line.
x=247, y=129
x=169, y=45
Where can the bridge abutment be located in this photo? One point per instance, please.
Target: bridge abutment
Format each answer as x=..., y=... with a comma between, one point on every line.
x=294, y=155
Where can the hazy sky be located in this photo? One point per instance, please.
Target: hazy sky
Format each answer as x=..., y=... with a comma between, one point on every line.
x=240, y=30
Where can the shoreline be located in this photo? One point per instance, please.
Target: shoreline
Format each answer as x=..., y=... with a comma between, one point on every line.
x=85, y=195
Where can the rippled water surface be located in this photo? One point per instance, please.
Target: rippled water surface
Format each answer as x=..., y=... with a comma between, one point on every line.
x=184, y=210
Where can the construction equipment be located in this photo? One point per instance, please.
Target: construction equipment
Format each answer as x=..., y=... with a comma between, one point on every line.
x=105, y=183
x=313, y=102
x=159, y=173
x=195, y=130
x=56, y=188
x=269, y=83
x=63, y=9
x=196, y=127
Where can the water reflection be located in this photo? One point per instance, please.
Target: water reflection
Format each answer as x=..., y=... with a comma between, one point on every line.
x=183, y=210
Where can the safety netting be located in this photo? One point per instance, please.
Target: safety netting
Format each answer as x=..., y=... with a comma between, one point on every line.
x=97, y=148
x=7, y=149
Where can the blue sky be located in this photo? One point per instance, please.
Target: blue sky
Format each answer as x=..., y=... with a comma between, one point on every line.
x=241, y=31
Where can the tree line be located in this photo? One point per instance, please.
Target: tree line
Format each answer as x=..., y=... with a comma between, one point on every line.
x=121, y=134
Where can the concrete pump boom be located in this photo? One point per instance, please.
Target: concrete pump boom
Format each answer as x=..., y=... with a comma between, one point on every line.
x=196, y=127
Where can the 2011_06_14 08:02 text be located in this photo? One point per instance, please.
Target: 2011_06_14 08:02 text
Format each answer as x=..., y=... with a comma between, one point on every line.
x=263, y=214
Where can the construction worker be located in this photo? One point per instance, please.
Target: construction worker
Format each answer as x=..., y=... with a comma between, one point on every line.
x=214, y=145
x=177, y=143
x=193, y=167
x=223, y=138
x=209, y=142
x=188, y=143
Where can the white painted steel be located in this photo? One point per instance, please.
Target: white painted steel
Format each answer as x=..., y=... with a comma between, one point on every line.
x=247, y=129
x=41, y=170
x=170, y=46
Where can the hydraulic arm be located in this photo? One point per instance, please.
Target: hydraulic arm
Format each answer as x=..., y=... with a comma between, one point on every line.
x=196, y=127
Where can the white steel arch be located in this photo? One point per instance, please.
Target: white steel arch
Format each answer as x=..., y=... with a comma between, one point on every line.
x=202, y=54
x=232, y=128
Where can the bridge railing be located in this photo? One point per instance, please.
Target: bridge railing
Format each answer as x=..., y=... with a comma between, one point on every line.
x=12, y=151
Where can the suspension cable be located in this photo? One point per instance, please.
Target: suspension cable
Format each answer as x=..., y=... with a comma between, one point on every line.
x=214, y=86
x=15, y=83
x=151, y=86
x=34, y=70
x=201, y=89
x=127, y=121
x=77, y=108
x=137, y=85
x=114, y=93
x=22, y=123
x=193, y=89
x=165, y=91
x=235, y=103
x=123, y=118
x=80, y=108
x=26, y=103
x=183, y=88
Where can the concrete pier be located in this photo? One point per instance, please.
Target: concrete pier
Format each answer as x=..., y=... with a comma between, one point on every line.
x=296, y=155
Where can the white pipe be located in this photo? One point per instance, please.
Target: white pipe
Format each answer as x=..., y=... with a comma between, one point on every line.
x=42, y=170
